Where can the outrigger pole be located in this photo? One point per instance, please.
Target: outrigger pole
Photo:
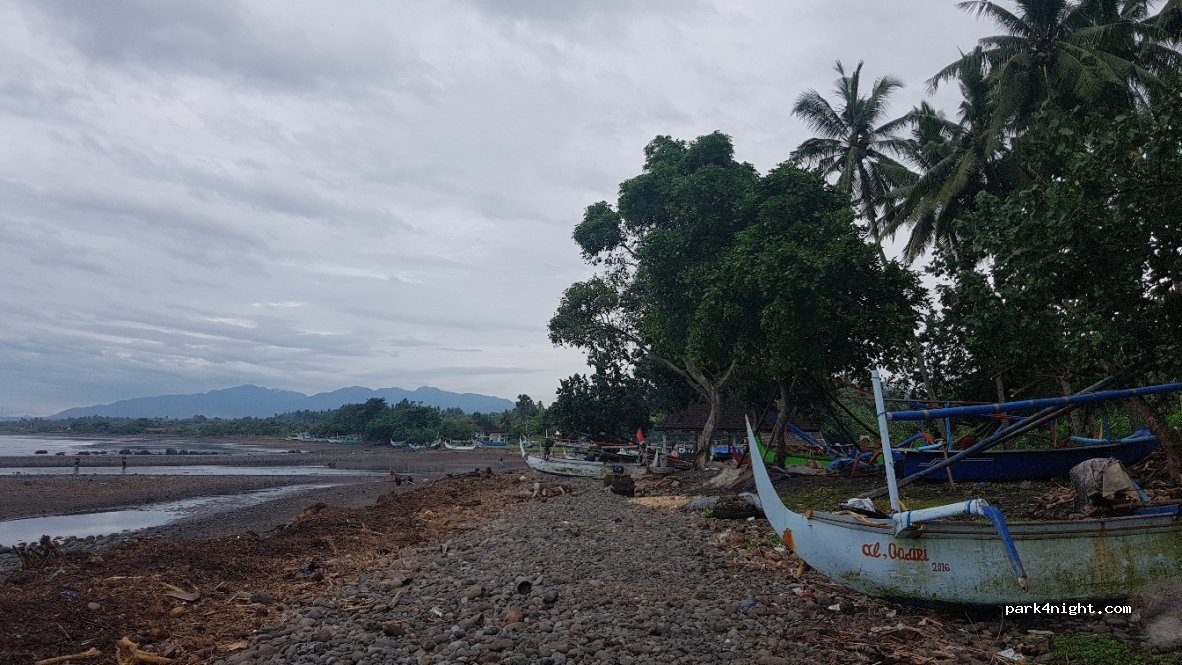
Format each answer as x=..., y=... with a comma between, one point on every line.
x=1058, y=407
x=1000, y=407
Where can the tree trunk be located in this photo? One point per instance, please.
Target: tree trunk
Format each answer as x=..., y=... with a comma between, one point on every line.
x=779, y=438
x=1169, y=438
x=925, y=376
x=1077, y=421
x=705, y=438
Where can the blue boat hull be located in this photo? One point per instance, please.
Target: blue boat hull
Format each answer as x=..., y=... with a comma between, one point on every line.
x=998, y=465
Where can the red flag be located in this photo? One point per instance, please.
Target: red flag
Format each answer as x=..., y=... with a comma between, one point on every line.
x=639, y=435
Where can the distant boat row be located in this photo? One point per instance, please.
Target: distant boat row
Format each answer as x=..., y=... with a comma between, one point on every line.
x=451, y=444
x=306, y=437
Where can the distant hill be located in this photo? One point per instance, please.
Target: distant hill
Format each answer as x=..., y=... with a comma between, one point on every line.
x=256, y=402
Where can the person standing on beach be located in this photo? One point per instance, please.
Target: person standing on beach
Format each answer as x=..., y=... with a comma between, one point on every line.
x=77, y=462
x=124, y=461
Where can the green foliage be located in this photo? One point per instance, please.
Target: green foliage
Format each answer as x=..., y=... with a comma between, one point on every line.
x=854, y=141
x=712, y=271
x=599, y=407
x=658, y=296
x=1065, y=53
x=374, y=421
x=803, y=277
x=1081, y=272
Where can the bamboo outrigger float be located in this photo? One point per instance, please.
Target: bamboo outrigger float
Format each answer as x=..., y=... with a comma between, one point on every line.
x=918, y=556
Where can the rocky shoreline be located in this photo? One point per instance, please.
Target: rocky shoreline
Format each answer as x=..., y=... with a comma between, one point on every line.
x=590, y=577
x=510, y=568
x=26, y=495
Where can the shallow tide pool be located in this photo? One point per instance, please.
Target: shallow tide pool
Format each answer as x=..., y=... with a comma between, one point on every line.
x=117, y=521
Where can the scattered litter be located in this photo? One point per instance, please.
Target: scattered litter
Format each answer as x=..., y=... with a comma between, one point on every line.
x=180, y=594
x=91, y=653
x=129, y=653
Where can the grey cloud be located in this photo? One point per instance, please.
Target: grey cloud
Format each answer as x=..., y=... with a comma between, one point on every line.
x=49, y=248
x=578, y=12
x=219, y=38
x=407, y=173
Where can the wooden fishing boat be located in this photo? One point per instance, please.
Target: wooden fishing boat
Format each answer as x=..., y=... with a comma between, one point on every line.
x=920, y=556
x=798, y=459
x=563, y=466
x=965, y=563
x=489, y=443
x=459, y=446
x=999, y=465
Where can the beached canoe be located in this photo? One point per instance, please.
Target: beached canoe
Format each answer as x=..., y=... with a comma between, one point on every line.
x=999, y=465
x=561, y=466
x=966, y=563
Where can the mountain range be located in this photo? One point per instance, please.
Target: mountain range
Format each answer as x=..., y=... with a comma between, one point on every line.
x=256, y=402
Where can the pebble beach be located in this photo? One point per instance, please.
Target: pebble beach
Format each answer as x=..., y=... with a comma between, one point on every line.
x=474, y=565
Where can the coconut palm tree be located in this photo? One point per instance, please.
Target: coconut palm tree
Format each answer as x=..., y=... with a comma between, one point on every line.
x=1067, y=52
x=956, y=160
x=853, y=142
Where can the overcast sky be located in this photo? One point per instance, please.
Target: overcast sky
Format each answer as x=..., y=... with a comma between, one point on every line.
x=312, y=195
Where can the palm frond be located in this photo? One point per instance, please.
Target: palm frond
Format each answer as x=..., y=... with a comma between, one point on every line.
x=818, y=115
x=1000, y=15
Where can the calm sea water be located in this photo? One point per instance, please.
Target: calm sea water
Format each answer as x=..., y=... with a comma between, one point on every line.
x=27, y=444
x=185, y=470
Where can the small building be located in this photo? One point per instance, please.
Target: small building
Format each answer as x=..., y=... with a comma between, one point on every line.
x=495, y=436
x=679, y=431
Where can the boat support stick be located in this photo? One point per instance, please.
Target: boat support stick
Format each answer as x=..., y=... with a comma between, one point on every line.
x=888, y=455
x=1026, y=425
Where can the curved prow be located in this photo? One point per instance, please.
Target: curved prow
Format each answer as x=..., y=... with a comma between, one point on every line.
x=521, y=444
x=773, y=507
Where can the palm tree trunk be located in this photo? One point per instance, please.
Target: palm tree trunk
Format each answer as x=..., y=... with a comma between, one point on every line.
x=925, y=376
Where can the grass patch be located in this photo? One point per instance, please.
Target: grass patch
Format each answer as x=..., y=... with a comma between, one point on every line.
x=1082, y=649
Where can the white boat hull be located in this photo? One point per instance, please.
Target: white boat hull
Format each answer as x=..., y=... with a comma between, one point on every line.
x=965, y=562
x=451, y=446
x=581, y=468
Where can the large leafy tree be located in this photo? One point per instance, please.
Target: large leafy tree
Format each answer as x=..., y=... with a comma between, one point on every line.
x=855, y=141
x=1081, y=275
x=818, y=302
x=658, y=248
x=600, y=406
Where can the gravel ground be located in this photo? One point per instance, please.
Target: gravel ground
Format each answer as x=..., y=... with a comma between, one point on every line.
x=582, y=578
x=477, y=571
